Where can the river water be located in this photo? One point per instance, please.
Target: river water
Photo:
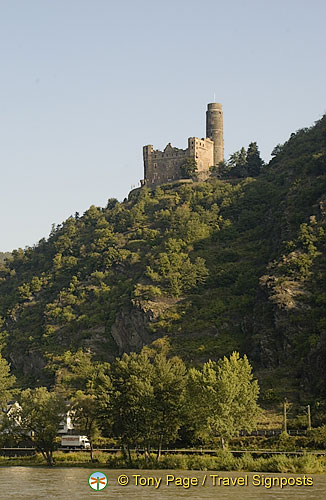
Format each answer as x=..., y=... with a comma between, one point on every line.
x=28, y=483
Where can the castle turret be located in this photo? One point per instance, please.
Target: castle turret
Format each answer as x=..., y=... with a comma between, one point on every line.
x=214, y=129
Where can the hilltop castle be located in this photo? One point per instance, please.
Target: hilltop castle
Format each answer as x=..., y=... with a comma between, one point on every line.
x=166, y=166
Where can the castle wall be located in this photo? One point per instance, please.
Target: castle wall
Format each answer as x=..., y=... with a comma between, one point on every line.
x=203, y=154
x=165, y=166
x=161, y=167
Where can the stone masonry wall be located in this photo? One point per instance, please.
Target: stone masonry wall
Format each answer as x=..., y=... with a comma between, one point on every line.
x=204, y=155
x=161, y=167
x=165, y=166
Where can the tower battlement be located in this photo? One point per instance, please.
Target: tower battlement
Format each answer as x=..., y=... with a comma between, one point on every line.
x=165, y=166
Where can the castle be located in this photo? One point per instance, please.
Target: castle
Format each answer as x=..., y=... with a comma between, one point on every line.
x=165, y=166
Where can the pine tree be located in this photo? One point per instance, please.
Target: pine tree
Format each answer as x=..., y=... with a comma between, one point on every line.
x=238, y=163
x=254, y=161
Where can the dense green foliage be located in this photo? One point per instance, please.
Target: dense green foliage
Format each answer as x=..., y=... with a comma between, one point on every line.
x=4, y=256
x=142, y=400
x=146, y=399
x=240, y=164
x=223, y=397
x=82, y=382
x=189, y=169
x=36, y=419
x=217, y=266
x=6, y=382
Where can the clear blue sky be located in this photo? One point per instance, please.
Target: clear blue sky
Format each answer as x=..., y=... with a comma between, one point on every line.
x=86, y=83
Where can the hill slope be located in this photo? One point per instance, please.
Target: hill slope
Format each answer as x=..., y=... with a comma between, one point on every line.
x=217, y=266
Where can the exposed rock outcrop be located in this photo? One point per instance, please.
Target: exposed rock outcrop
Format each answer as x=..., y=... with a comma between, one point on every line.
x=131, y=330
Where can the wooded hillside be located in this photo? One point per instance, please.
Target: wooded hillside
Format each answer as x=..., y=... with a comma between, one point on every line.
x=217, y=266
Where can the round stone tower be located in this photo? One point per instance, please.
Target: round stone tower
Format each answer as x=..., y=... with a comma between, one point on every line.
x=214, y=129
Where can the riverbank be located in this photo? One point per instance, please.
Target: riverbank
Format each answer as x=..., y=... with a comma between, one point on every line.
x=223, y=461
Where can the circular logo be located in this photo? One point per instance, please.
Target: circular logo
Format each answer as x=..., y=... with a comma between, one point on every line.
x=97, y=481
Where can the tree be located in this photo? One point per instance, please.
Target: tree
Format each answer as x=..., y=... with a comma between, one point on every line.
x=84, y=414
x=238, y=163
x=189, y=168
x=37, y=418
x=277, y=149
x=174, y=269
x=238, y=159
x=243, y=163
x=4, y=256
x=131, y=401
x=82, y=381
x=6, y=382
x=254, y=161
x=147, y=398
x=223, y=396
x=222, y=169
x=74, y=371
x=169, y=389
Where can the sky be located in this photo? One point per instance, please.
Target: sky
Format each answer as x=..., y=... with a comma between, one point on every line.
x=84, y=84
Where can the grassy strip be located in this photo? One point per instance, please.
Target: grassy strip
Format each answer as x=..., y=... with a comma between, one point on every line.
x=223, y=461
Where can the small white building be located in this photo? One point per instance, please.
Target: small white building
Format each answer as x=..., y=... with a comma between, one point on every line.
x=66, y=425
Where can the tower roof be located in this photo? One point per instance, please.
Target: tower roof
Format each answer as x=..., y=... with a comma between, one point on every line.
x=214, y=105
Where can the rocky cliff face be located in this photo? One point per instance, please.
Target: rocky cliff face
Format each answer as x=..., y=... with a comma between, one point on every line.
x=131, y=329
x=29, y=363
